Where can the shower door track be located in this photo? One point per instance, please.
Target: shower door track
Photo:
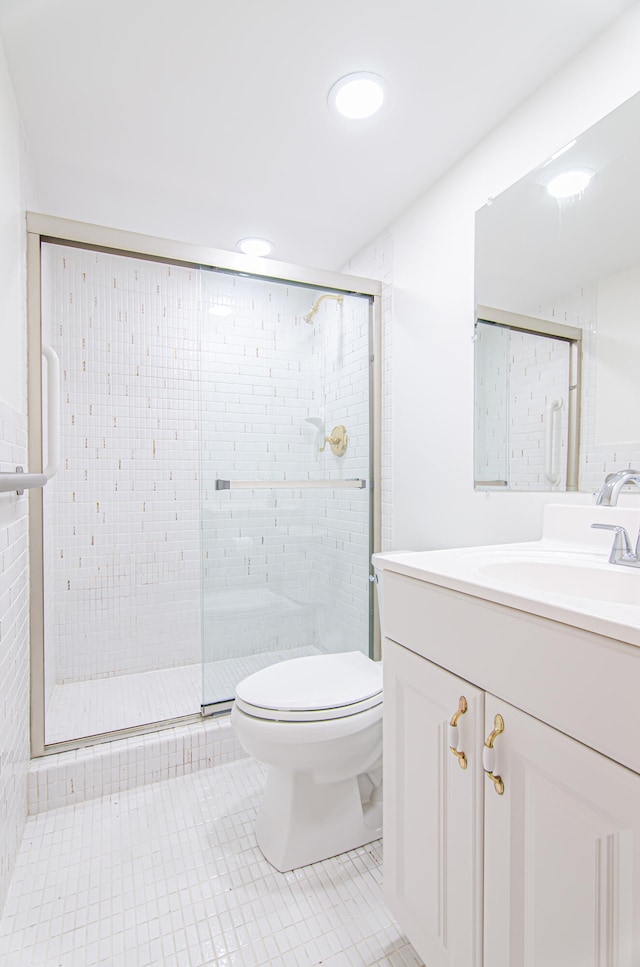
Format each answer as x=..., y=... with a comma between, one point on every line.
x=47, y=228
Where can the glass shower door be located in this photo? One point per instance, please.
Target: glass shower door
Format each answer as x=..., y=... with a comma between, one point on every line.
x=286, y=536
x=121, y=532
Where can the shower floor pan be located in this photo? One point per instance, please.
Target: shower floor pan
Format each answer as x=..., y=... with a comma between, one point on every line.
x=81, y=709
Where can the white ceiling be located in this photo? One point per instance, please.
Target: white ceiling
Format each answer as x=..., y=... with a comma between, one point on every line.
x=207, y=120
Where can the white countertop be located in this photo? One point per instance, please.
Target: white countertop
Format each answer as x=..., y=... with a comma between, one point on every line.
x=565, y=576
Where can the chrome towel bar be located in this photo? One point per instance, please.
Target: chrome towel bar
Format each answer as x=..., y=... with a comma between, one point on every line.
x=355, y=484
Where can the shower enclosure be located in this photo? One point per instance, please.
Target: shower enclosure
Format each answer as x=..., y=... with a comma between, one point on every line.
x=214, y=508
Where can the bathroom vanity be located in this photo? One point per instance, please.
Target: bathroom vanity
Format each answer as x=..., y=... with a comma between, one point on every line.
x=512, y=749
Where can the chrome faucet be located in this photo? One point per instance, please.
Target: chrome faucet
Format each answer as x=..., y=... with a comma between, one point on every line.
x=613, y=484
x=621, y=551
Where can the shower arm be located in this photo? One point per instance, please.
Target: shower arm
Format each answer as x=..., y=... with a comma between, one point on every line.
x=316, y=305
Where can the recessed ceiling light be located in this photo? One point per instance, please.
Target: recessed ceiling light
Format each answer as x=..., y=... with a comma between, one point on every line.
x=569, y=183
x=255, y=246
x=218, y=309
x=358, y=95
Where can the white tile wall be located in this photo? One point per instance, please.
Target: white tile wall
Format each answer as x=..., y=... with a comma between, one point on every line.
x=343, y=559
x=14, y=648
x=518, y=376
x=259, y=377
x=538, y=375
x=281, y=553
x=121, y=516
x=113, y=767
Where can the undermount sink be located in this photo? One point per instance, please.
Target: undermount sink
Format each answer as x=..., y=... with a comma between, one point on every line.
x=607, y=582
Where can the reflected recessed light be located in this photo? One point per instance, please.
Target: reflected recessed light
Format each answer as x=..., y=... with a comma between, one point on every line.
x=358, y=95
x=561, y=151
x=218, y=309
x=569, y=183
x=255, y=246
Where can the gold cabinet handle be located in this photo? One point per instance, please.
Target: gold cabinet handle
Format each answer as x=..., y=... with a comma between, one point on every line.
x=453, y=733
x=488, y=754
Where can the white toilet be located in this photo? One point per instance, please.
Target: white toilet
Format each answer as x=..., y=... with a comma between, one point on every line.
x=317, y=724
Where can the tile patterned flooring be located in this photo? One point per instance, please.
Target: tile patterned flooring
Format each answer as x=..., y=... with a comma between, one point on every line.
x=125, y=701
x=169, y=874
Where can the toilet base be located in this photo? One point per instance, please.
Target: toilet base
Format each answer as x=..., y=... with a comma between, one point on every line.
x=302, y=821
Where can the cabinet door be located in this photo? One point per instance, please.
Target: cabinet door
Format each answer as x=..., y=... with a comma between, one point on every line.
x=432, y=809
x=562, y=851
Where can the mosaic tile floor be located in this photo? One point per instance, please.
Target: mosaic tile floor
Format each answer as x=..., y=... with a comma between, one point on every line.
x=125, y=701
x=169, y=874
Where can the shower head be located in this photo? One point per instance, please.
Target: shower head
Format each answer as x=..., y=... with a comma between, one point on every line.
x=316, y=305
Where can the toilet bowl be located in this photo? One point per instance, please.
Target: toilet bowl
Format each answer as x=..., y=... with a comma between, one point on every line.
x=316, y=723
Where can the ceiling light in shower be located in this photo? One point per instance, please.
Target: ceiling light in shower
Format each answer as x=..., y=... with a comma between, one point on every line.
x=255, y=246
x=358, y=95
x=570, y=183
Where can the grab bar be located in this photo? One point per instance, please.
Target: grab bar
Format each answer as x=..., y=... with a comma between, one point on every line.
x=53, y=412
x=550, y=440
x=20, y=481
x=355, y=484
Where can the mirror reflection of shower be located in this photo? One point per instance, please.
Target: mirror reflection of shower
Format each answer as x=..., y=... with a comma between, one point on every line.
x=316, y=305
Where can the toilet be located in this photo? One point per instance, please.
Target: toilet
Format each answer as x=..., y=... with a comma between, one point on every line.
x=316, y=723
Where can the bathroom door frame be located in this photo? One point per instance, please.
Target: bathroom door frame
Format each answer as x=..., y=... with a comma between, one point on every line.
x=48, y=228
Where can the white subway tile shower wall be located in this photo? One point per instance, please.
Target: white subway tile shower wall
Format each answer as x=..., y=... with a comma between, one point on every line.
x=14, y=648
x=539, y=374
x=122, y=515
x=258, y=385
x=146, y=397
x=343, y=561
x=518, y=375
x=272, y=544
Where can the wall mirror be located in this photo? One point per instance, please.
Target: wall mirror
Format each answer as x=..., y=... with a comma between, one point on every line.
x=561, y=248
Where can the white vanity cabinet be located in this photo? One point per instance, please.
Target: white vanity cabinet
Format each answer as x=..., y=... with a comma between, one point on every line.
x=432, y=819
x=546, y=874
x=561, y=851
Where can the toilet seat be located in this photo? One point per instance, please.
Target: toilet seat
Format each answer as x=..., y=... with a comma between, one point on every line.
x=312, y=689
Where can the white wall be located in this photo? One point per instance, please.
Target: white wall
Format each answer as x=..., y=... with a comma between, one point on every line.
x=433, y=243
x=14, y=602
